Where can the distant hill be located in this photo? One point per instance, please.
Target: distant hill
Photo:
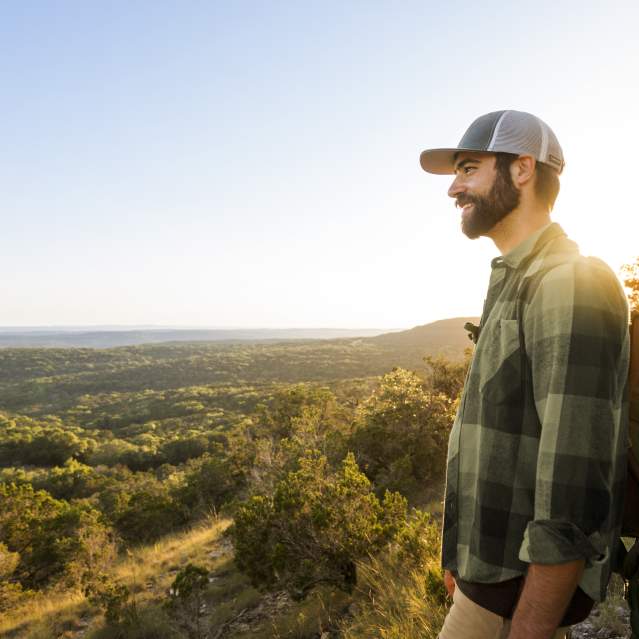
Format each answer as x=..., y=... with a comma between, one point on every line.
x=46, y=378
x=447, y=334
x=109, y=338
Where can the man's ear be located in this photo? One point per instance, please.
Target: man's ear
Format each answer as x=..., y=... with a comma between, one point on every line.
x=522, y=170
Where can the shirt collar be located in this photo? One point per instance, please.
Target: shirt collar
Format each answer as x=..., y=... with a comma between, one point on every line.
x=529, y=247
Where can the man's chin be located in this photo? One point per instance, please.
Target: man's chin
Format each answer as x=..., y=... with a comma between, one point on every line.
x=470, y=233
x=470, y=228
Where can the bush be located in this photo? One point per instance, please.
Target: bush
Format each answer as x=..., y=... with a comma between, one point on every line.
x=209, y=482
x=149, y=515
x=57, y=541
x=186, y=599
x=401, y=593
x=314, y=527
x=113, y=598
x=401, y=436
x=10, y=592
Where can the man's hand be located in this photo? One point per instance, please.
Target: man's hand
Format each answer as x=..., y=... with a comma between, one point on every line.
x=544, y=599
x=449, y=582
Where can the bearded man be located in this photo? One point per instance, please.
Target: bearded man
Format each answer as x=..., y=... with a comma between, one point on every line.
x=537, y=453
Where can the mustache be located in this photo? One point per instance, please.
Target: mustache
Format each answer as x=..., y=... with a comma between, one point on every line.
x=463, y=199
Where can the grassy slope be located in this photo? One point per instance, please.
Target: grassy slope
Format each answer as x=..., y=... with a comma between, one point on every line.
x=234, y=609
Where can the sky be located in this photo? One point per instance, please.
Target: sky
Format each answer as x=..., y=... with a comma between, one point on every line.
x=256, y=164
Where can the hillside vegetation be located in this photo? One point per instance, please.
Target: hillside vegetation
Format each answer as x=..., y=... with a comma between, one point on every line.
x=318, y=452
x=227, y=490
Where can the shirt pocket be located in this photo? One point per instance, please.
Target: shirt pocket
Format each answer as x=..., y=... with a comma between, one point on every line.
x=500, y=363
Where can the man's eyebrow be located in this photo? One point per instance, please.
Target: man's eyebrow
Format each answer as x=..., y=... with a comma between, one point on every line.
x=463, y=163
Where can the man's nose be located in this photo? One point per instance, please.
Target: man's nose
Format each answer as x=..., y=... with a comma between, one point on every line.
x=455, y=188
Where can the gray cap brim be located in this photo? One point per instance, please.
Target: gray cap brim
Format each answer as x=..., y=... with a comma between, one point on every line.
x=438, y=161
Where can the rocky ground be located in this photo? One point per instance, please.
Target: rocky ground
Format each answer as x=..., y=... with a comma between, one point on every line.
x=610, y=621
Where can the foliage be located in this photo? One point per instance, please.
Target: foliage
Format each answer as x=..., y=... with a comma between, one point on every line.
x=131, y=444
x=186, y=599
x=278, y=417
x=149, y=513
x=630, y=277
x=10, y=592
x=272, y=456
x=46, y=380
x=401, y=593
x=315, y=526
x=401, y=435
x=55, y=541
x=446, y=376
x=209, y=482
x=113, y=598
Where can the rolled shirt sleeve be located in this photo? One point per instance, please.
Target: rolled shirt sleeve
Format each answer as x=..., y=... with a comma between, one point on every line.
x=576, y=341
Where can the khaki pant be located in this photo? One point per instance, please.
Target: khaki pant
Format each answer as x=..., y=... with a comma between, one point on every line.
x=467, y=620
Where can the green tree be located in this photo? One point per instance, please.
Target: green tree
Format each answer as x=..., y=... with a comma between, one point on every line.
x=150, y=513
x=10, y=591
x=56, y=541
x=446, y=376
x=178, y=451
x=74, y=480
x=314, y=527
x=278, y=417
x=401, y=434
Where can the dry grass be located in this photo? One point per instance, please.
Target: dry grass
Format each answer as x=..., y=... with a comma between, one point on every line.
x=63, y=609
x=391, y=603
x=152, y=568
x=608, y=611
x=395, y=603
x=147, y=571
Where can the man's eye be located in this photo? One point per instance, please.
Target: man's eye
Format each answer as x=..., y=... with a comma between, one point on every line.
x=468, y=169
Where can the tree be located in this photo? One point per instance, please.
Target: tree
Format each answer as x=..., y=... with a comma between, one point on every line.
x=401, y=434
x=149, y=513
x=630, y=275
x=209, y=482
x=56, y=541
x=178, y=451
x=277, y=418
x=314, y=527
x=10, y=591
x=447, y=377
x=186, y=599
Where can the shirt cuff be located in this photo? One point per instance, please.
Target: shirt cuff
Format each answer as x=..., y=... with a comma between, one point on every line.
x=556, y=541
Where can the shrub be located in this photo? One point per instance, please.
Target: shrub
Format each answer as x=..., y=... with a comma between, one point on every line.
x=209, y=483
x=56, y=540
x=314, y=527
x=401, y=592
x=401, y=435
x=10, y=592
x=186, y=599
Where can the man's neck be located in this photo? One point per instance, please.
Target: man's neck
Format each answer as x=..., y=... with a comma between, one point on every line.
x=516, y=227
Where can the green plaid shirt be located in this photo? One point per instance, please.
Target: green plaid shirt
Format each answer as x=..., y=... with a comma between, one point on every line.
x=537, y=453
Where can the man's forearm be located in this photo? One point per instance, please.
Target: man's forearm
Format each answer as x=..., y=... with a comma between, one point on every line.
x=544, y=599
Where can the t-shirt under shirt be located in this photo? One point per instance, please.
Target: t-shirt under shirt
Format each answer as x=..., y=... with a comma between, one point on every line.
x=501, y=598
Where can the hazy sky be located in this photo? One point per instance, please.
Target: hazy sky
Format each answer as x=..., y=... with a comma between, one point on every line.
x=256, y=163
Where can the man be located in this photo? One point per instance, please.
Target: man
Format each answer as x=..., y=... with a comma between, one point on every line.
x=536, y=458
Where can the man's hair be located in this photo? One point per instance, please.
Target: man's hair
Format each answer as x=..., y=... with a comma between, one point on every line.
x=546, y=178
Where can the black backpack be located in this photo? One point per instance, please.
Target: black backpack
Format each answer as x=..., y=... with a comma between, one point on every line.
x=627, y=564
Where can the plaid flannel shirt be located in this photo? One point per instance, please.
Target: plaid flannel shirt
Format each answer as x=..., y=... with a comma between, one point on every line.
x=537, y=453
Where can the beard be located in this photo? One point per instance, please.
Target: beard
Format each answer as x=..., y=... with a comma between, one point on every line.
x=502, y=199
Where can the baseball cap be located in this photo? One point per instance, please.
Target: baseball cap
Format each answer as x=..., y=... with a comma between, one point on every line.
x=507, y=131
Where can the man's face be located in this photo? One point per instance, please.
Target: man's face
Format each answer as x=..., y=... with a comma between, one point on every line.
x=484, y=193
